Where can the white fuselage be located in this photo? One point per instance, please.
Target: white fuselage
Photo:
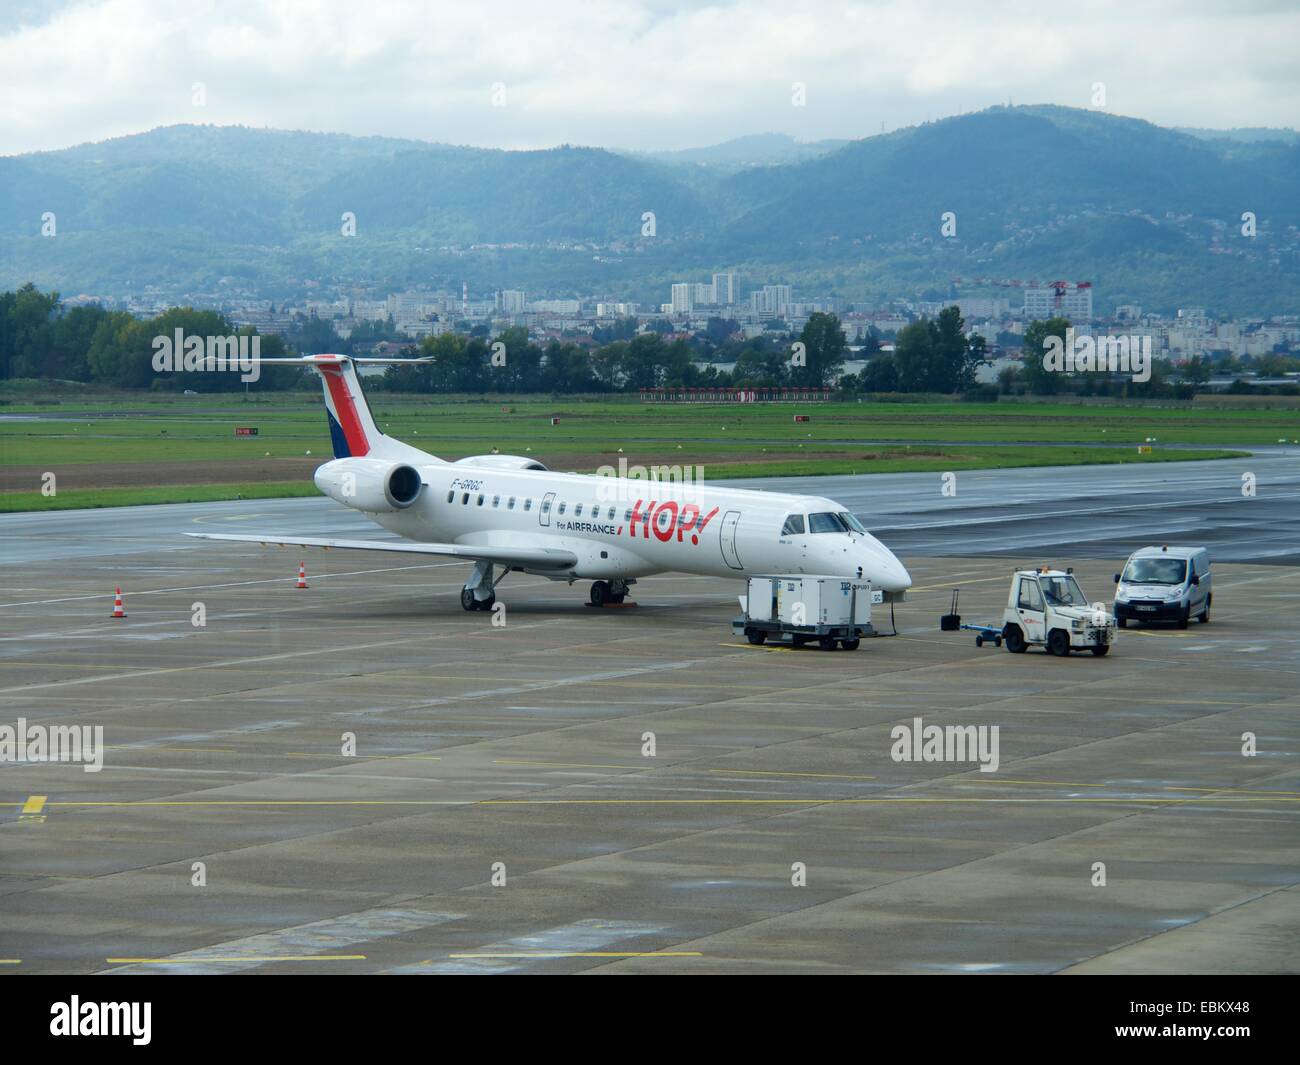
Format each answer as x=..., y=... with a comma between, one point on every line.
x=627, y=528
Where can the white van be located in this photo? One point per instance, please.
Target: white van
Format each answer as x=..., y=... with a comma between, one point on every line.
x=1165, y=584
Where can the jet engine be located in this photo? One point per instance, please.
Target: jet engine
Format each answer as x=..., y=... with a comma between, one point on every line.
x=373, y=485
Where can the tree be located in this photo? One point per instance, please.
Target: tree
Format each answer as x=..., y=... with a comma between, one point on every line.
x=824, y=350
x=915, y=357
x=880, y=374
x=1042, y=381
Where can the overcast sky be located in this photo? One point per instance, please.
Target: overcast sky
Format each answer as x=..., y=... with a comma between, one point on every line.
x=628, y=73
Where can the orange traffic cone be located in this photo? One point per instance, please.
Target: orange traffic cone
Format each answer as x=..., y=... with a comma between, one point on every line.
x=302, y=575
x=118, y=612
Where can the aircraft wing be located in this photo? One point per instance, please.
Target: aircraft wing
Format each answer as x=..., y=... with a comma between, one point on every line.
x=533, y=557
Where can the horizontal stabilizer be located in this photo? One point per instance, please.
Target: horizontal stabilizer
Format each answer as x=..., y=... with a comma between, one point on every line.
x=532, y=557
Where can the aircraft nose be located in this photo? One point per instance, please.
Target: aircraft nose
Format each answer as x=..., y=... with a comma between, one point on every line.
x=885, y=571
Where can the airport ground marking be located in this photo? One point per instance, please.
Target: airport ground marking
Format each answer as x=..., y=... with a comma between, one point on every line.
x=1214, y=797
x=584, y=954
x=200, y=960
x=34, y=804
x=231, y=584
x=567, y=765
x=773, y=773
x=947, y=585
x=11, y=961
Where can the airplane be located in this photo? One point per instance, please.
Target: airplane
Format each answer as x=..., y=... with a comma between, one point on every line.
x=511, y=513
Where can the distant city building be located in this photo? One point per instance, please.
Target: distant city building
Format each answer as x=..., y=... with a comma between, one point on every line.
x=682, y=299
x=724, y=289
x=511, y=301
x=1075, y=303
x=556, y=306
x=771, y=301
x=616, y=310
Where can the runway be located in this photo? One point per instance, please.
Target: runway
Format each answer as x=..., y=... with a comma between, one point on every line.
x=634, y=790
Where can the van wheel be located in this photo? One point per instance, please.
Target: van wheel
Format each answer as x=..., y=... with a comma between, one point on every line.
x=1015, y=640
x=1122, y=622
x=1101, y=650
x=1058, y=643
x=1204, y=616
x=1187, y=616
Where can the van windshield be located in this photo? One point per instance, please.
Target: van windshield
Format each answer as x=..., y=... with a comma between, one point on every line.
x=1155, y=571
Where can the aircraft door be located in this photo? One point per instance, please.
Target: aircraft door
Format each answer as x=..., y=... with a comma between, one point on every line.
x=544, y=511
x=729, y=522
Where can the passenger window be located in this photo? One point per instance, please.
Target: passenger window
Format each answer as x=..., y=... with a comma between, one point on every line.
x=496, y=501
x=610, y=515
x=464, y=500
x=546, y=506
x=451, y=495
x=511, y=504
x=528, y=504
x=562, y=506
x=793, y=525
x=1030, y=597
x=577, y=511
x=480, y=499
x=627, y=514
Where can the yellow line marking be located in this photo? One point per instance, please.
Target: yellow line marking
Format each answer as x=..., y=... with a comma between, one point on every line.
x=146, y=748
x=1234, y=791
x=956, y=584
x=564, y=765
x=11, y=961
x=1046, y=783
x=590, y=954
x=34, y=804
x=235, y=958
x=767, y=773
x=756, y=647
x=902, y=799
x=358, y=758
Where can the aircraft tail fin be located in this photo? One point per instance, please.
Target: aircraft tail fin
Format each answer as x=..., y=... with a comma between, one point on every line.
x=353, y=432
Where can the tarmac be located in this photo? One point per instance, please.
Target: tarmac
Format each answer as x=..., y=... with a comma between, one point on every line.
x=636, y=790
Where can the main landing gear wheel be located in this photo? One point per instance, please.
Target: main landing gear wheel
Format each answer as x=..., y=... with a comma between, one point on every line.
x=600, y=593
x=1015, y=640
x=1058, y=643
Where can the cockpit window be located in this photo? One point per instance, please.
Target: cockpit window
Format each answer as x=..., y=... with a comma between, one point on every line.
x=793, y=525
x=852, y=522
x=826, y=522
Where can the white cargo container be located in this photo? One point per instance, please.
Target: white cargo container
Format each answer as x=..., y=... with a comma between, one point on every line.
x=831, y=610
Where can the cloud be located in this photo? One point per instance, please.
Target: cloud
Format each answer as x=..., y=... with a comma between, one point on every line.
x=627, y=73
